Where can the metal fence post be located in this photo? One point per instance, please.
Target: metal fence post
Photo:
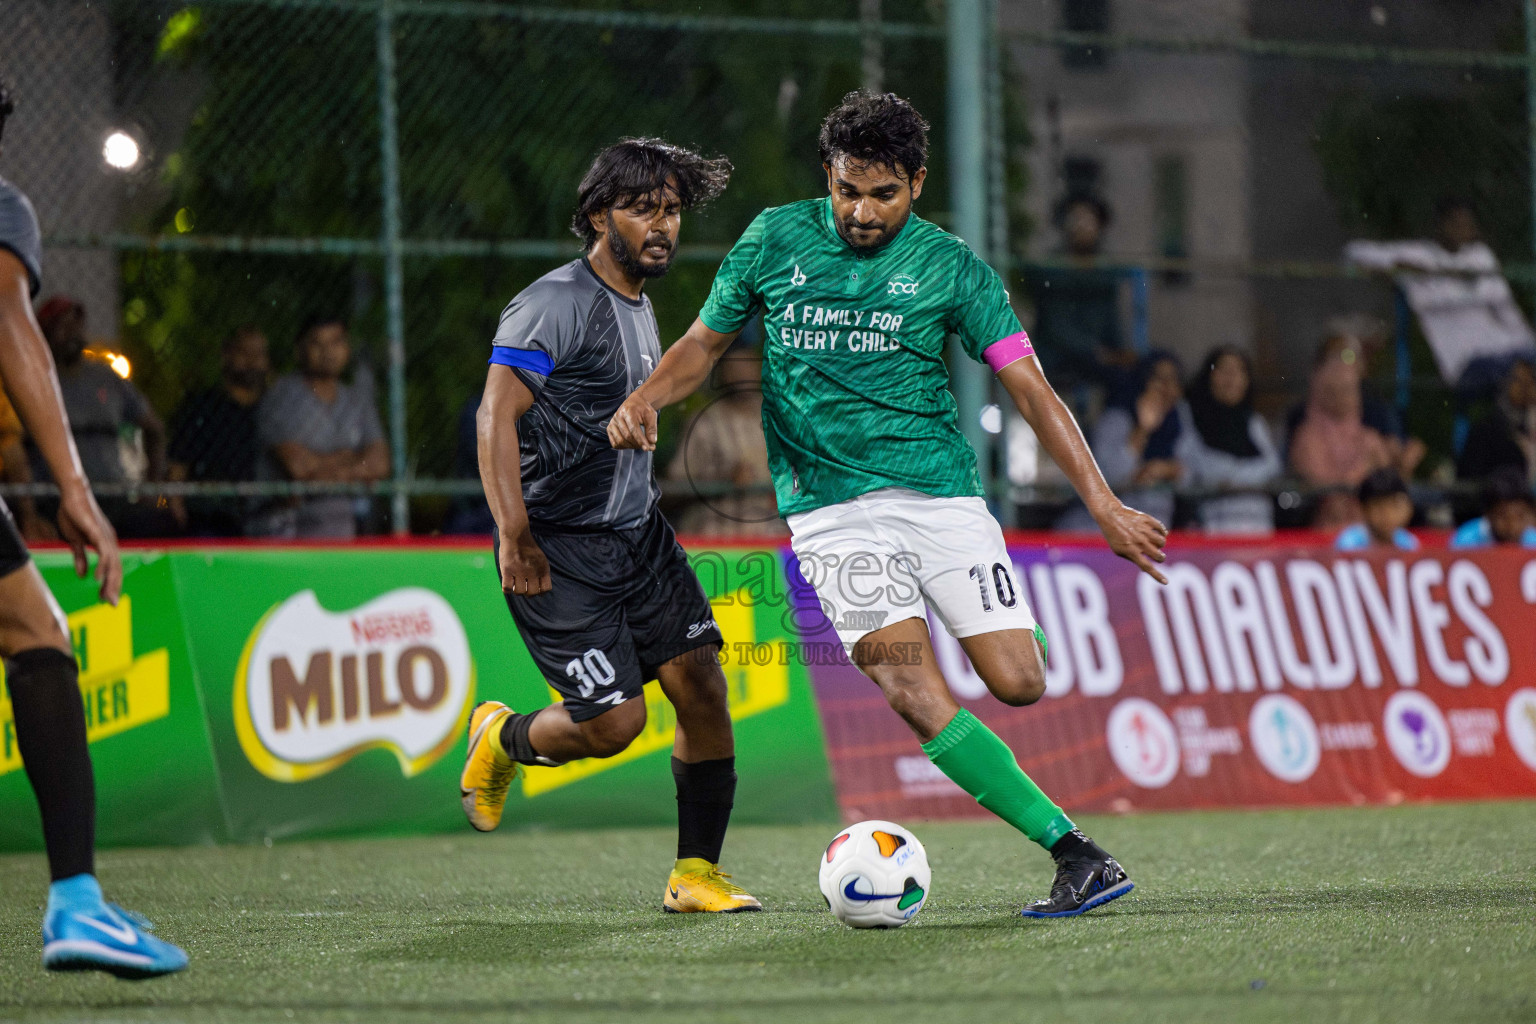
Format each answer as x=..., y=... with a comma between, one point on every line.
x=394, y=273
x=1530, y=114
x=966, y=100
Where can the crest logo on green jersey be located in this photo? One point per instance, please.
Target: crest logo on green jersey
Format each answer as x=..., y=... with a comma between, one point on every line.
x=902, y=284
x=796, y=279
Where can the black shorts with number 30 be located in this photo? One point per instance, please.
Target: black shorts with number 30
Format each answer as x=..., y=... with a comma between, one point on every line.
x=621, y=604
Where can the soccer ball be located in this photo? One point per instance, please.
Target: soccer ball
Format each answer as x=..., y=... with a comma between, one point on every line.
x=875, y=875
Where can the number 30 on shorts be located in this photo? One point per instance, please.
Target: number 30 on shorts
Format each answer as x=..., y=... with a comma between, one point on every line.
x=1002, y=582
x=590, y=671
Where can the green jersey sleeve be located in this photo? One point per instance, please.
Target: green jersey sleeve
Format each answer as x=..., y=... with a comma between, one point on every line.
x=981, y=314
x=733, y=297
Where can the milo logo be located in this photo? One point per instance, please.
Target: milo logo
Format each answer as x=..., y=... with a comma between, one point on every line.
x=315, y=688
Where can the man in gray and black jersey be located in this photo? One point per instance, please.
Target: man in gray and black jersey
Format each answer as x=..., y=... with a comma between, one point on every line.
x=601, y=591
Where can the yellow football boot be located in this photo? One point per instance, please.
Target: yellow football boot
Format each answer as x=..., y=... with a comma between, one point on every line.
x=487, y=771
x=697, y=886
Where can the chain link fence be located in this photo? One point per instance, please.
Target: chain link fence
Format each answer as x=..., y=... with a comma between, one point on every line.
x=409, y=165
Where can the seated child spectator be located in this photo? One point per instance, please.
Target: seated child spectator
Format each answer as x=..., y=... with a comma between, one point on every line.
x=1386, y=511
x=1509, y=514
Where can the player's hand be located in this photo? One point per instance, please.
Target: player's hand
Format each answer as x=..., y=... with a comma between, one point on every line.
x=83, y=527
x=634, y=425
x=524, y=569
x=1137, y=538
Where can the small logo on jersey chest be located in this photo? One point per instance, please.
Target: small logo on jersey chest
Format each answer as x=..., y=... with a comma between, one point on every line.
x=796, y=279
x=901, y=284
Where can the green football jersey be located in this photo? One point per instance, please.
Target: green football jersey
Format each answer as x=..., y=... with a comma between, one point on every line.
x=855, y=391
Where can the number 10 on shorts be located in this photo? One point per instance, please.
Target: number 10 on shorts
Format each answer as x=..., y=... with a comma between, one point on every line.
x=1002, y=582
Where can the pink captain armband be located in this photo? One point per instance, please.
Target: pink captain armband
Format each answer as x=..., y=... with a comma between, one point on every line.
x=1010, y=350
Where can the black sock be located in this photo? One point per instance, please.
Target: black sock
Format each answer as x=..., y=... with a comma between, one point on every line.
x=50, y=734
x=1075, y=844
x=514, y=739
x=705, y=792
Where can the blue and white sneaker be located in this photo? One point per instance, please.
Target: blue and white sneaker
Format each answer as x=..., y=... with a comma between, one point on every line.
x=1086, y=877
x=83, y=933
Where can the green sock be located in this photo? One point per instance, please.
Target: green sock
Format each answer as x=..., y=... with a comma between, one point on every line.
x=981, y=764
x=1045, y=645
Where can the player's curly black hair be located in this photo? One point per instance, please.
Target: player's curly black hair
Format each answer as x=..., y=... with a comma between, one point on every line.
x=7, y=105
x=636, y=167
x=876, y=128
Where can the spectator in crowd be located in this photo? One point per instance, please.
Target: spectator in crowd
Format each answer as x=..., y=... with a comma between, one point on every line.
x=1509, y=513
x=14, y=469
x=1506, y=434
x=1333, y=447
x=104, y=411
x=1347, y=339
x=1139, y=441
x=1077, y=326
x=312, y=428
x=1385, y=512
x=723, y=448
x=1230, y=447
x=1463, y=303
x=213, y=435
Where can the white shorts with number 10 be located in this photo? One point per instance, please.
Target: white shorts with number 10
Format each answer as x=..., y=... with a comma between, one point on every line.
x=875, y=559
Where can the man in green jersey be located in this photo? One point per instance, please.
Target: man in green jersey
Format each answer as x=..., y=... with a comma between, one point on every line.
x=872, y=473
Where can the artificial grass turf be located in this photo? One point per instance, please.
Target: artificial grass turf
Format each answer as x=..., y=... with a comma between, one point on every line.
x=1401, y=914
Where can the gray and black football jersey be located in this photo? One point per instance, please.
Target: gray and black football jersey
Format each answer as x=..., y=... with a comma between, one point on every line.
x=19, y=233
x=581, y=348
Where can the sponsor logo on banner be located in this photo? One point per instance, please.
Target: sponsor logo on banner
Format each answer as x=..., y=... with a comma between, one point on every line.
x=121, y=691
x=1520, y=725
x=315, y=688
x=1417, y=733
x=1143, y=743
x=1284, y=738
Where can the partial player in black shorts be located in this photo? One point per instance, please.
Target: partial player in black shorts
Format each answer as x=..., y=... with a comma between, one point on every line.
x=622, y=604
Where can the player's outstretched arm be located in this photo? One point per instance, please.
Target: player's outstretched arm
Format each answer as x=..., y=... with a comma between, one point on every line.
x=26, y=365
x=681, y=370
x=523, y=567
x=1134, y=536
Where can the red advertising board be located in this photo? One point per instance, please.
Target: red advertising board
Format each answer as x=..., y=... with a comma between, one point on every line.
x=1258, y=676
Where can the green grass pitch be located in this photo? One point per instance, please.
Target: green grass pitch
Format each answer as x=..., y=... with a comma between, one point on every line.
x=1395, y=915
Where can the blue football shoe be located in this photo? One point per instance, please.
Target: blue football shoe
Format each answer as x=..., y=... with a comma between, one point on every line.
x=83, y=933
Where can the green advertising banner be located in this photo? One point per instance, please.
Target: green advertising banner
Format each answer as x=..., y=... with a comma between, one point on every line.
x=250, y=693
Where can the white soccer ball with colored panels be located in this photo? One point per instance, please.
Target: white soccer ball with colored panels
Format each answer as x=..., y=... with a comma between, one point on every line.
x=875, y=875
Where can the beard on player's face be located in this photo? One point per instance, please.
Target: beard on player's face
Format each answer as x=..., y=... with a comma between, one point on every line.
x=870, y=234
x=633, y=262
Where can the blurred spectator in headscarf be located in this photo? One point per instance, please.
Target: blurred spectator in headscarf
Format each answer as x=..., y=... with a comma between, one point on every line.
x=1509, y=514
x=1334, y=448
x=1506, y=434
x=1231, y=448
x=723, y=450
x=1139, y=442
x=1355, y=340
x=213, y=435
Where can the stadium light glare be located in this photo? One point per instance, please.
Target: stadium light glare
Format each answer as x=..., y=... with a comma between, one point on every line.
x=121, y=151
x=992, y=419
